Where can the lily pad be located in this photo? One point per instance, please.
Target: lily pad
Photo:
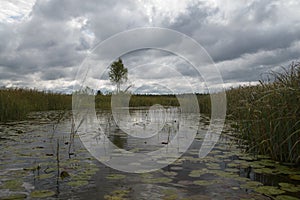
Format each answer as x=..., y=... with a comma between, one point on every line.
x=289, y=187
x=286, y=197
x=15, y=184
x=14, y=197
x=269, y=190
x=77, y=183
x=265, y=171
x=251, y=185
x=117, y=195
x=42, y=193
x=213, y=166
x=205, y=182
x=115, y=176
x=295, y=177
x=158, y=180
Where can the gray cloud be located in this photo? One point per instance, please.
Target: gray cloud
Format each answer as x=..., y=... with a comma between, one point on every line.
x=44, y=48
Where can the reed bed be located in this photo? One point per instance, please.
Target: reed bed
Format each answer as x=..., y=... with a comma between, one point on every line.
x=267, y=116
x=16, y=103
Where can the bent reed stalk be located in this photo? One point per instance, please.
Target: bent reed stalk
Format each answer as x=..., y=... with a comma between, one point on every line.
x=267, y=116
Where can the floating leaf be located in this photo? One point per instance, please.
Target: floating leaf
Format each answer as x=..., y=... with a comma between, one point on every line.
x=265, y=171
x=42, y=193
x=77, y=183
x=251, y=185
x=289, y=187
x=286, y=197
x=14, y=197
x=205, y=182
x=115, y=176
x=269, y=190
x=15, y=184
x=158, y=180
x=295, y=177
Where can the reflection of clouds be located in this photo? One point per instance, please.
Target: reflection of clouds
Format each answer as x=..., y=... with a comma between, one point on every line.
x=151, y=153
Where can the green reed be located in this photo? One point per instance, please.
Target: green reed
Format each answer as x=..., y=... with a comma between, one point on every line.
x=16, y=103
x=267, y=116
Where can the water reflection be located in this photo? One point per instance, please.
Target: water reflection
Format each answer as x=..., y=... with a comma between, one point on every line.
x=148, y=139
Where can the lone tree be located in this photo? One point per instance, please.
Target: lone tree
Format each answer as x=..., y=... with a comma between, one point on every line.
x=118, y=73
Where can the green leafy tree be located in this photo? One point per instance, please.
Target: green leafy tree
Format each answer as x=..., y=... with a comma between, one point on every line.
x=118, y=73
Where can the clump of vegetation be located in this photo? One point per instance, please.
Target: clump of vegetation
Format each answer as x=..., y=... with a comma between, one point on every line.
x=16, y=103
x=267, y=116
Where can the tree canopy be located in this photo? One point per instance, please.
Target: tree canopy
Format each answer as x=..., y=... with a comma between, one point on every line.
x=118, y=73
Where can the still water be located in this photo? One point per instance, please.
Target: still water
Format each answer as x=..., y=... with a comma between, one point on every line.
x=44, y=158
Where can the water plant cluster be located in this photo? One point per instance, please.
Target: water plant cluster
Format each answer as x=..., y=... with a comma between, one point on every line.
x=17, y=103
x=267, y=116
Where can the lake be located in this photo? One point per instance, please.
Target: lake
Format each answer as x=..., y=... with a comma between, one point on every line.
x=41, y=159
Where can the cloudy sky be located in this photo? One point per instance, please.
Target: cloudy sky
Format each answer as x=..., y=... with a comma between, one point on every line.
x=44, y=42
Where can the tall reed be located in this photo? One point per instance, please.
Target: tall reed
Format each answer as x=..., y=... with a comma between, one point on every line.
x=16, y=103
x=267, y=116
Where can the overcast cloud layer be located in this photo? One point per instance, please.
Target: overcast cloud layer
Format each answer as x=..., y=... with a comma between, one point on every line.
x=43, y=42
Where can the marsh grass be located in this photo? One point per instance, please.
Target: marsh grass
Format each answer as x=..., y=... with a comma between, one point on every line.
x=16, y=103
x=267, y=116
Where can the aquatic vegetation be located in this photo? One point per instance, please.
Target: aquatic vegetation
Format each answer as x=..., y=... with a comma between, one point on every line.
x=289, y=187
x=251, y=185
x=16, y=104
x=157, y=180
x=170, y=194
x=295, y=177
x=285, y=197
x=42, y=193
x=115, y=176
x=265, y=171
x=78, y=183
x=205, y=182
x=213, y=166
x=117, y=195
x=14, y=197
x=15, y=184
x=266, y=116
x=269, y=190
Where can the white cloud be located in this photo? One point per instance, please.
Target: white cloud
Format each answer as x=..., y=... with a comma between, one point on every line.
x=15, y=10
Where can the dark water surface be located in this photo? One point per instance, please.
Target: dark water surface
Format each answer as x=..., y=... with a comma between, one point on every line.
x=40, y=159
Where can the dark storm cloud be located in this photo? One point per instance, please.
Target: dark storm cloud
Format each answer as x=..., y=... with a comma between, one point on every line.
x=258, y=26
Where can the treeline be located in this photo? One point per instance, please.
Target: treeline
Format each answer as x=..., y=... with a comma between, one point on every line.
x=16, y=103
